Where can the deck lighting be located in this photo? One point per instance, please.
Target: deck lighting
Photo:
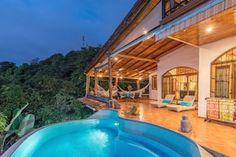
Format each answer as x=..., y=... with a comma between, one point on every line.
x=145, y=32
x=100, y=75
x=209, y=29
x=116, y=59
x=121, y=77
x=140, y=78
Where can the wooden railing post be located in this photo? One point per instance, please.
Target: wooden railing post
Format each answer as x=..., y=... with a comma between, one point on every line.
x=96, y=83
x=110, y=76
x=87, y=84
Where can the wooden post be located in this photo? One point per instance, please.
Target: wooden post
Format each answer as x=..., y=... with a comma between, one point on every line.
x=110, y=76
x=96, y=83
x=87, y=85
x=138, y=84
x=117, y=81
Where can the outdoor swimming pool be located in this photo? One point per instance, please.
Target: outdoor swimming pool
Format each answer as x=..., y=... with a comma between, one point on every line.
x=105, y=134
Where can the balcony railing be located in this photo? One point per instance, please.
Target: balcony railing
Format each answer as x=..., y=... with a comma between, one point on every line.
x=175, y=8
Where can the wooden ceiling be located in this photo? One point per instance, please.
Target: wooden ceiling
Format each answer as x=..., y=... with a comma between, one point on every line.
x=218, y=27
x=140, y=60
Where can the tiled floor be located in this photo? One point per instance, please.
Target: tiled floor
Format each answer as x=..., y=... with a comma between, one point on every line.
x=215, y=136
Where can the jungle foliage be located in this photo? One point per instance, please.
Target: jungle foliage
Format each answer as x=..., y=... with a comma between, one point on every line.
x=50, y=86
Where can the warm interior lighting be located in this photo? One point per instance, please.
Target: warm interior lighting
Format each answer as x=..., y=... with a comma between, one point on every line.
x=121, y=69
x=145, y=32
x=140, y=78
x=100, y=75
x=209, y=29
x=121, y=77
x=116, y=59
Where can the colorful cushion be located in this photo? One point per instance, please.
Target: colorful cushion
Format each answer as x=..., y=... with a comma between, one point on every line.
x=166, y=101
x=184, y=103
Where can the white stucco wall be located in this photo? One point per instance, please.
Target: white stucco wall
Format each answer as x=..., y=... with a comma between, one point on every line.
x=207, y=54
x=184, y=56
x=152, y=93
x=150, y=21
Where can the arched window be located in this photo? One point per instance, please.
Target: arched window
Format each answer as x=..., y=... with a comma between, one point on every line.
x=223, y=75
x=180, y=81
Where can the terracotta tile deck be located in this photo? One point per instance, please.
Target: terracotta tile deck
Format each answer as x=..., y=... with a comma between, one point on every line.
x=212, y=135
x=215, y=136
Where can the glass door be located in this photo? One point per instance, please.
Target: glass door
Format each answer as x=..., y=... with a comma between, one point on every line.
x=234, y=82
x=222, y=81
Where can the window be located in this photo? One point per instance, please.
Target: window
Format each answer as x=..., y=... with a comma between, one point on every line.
x=154, y=82
x=180, y=81
x=223, y=75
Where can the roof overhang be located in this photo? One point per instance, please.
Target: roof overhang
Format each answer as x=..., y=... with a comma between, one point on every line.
x=139, y=11
x=139, y=58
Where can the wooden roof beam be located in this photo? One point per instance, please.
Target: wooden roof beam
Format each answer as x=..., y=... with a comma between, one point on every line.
x=137, y=58
x=182, y=41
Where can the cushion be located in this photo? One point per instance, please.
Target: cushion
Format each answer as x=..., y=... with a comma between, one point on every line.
x=184, y=103
x=166, y=101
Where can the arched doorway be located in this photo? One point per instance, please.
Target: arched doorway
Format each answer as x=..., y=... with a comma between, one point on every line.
x=180, y=81
x=223, y=75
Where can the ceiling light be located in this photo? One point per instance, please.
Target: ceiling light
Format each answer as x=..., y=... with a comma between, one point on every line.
x=100, y=75
x=209, y=29
x=121, y=77
x=116, y=59
x=140, y=78
x=145, y=32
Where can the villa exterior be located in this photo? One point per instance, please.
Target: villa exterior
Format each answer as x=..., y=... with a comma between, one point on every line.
x=183, y=47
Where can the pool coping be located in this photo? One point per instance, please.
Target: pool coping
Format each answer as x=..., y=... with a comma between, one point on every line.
x=13, y=148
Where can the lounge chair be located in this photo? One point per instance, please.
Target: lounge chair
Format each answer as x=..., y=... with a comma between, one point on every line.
x=168, y=100
x=186, y=104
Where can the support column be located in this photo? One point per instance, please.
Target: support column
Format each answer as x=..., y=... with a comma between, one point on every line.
x=96, y=83
x=117, y=81
x=110, y=75
x=87, y=85
x=138, y=84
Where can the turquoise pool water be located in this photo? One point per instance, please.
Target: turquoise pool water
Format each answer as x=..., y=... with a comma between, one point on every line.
x=104, y=135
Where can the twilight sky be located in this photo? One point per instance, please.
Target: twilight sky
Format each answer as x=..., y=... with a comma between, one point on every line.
x=39, y=28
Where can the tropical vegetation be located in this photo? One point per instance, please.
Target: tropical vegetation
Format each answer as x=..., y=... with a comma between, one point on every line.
x=50, y=86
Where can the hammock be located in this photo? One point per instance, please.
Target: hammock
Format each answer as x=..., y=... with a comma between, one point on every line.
x=105, y=93
x=131, y=94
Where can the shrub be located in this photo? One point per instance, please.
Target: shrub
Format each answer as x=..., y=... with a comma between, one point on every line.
x=3, y=122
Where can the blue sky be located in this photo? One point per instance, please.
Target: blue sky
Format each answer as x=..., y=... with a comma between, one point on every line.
x=39, y=28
